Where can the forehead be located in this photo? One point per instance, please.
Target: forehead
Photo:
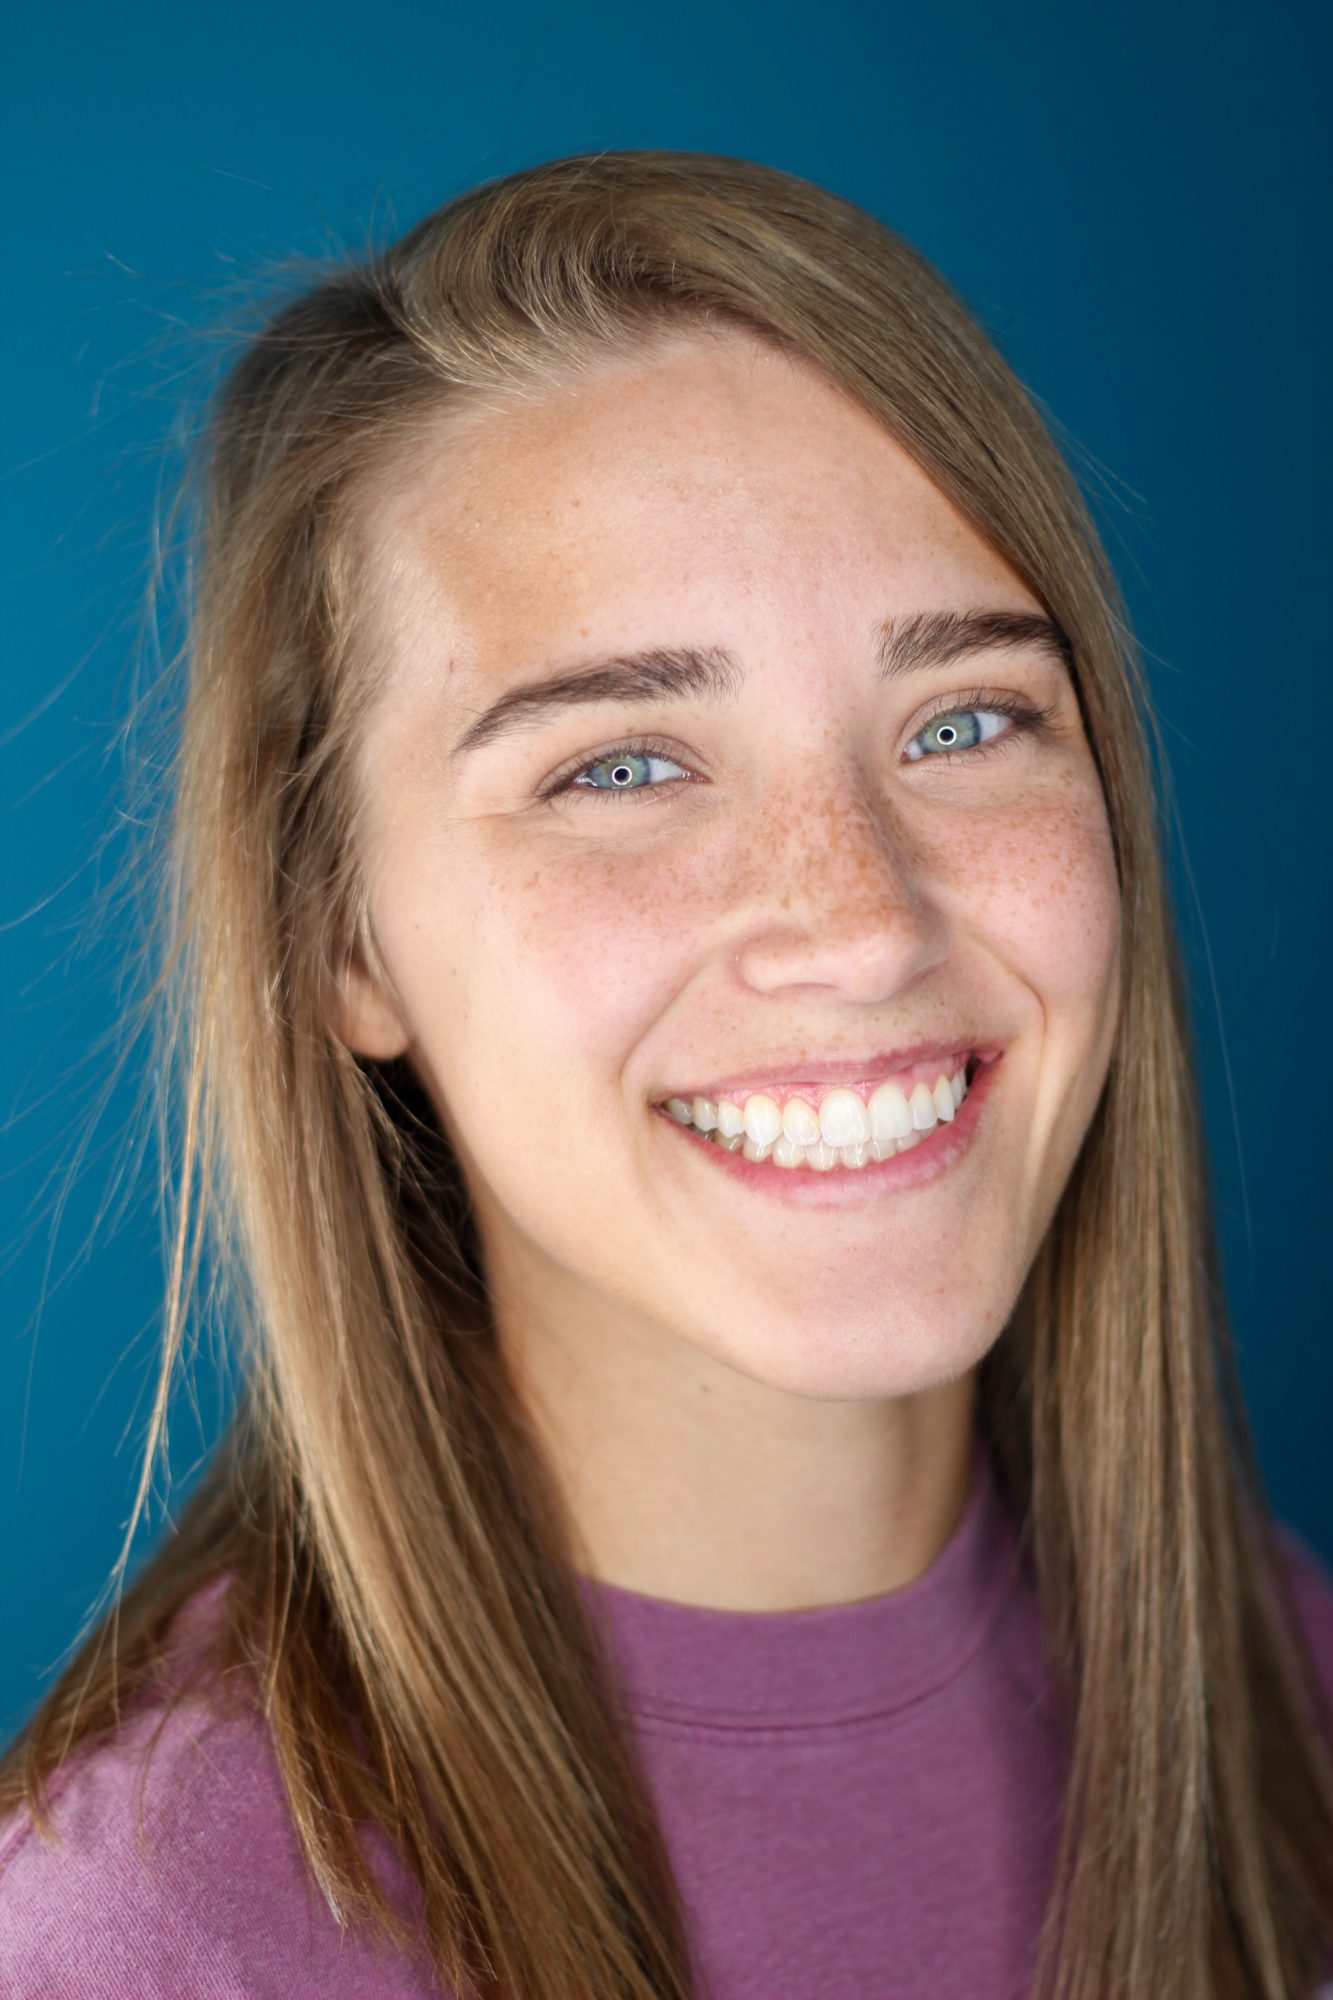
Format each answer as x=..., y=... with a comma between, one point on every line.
x=698, y=479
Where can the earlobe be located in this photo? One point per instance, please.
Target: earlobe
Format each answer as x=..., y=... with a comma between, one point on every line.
x=368, y=1022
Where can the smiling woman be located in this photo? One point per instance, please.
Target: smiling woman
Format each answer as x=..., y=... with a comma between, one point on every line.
x=741, y=1488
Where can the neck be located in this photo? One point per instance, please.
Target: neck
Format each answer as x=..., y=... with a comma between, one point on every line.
x=689, y=1481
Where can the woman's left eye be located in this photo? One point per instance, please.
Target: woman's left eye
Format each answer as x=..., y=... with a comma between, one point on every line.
x=964, y=728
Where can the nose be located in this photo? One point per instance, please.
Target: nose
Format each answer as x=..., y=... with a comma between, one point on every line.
x=840, y=899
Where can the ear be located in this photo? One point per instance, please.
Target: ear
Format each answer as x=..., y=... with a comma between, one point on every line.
x=367, y=1017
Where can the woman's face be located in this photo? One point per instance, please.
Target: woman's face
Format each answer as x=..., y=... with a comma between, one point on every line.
x=766, y=886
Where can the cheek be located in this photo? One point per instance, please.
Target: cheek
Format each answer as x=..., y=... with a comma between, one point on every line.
x=1040, y=885
x=578, y=953
x=597, y=951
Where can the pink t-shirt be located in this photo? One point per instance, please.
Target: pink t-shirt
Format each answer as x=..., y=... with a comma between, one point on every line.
x=861, y=1801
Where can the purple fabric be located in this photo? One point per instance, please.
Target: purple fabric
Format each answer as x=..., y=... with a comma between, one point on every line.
x=861, y=1800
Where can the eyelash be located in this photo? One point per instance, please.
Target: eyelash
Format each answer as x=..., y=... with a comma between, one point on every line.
x=1028, y=720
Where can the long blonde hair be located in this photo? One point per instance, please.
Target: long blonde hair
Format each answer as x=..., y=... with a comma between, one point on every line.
x=463, y=1704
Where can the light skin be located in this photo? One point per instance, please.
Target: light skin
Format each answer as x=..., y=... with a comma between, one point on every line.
x=749, y=1406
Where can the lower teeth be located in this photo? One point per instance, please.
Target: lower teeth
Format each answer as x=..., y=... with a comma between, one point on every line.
x=820, y=1158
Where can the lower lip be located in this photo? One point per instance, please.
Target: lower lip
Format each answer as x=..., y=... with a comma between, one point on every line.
x=847, y=1187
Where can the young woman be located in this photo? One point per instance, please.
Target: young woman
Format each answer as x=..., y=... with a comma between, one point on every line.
x=741, y=1488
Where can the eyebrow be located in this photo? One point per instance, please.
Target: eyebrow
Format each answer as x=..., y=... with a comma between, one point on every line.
x=906, y=645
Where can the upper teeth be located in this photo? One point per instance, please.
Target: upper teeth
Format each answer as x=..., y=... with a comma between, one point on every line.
x=841, y=1119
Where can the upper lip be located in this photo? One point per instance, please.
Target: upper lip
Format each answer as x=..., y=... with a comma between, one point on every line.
x=801, y=1067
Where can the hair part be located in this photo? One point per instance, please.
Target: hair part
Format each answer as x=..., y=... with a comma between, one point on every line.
x=464, y=1706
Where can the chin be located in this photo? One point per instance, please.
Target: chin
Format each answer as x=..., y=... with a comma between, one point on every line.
x=868, y=1354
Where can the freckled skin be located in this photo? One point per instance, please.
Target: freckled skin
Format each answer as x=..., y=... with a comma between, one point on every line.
x=558, y=966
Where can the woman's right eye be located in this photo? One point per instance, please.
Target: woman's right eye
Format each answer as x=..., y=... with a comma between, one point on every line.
x=622, y=766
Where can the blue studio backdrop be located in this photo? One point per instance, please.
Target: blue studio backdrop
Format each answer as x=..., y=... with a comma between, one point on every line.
x=1134, y=198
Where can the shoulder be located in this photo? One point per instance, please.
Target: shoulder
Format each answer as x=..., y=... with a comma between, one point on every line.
x=177, y=1870
x=168, y=1872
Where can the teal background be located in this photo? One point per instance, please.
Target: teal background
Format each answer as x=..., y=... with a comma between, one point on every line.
x=1135, y=200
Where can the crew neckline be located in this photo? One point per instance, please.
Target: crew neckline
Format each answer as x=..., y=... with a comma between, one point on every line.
x=826, y=1666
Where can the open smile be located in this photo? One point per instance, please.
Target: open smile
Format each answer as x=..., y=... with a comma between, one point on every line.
x=848, y=1144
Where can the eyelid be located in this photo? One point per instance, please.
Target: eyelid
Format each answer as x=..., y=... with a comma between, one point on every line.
x=979, y=698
